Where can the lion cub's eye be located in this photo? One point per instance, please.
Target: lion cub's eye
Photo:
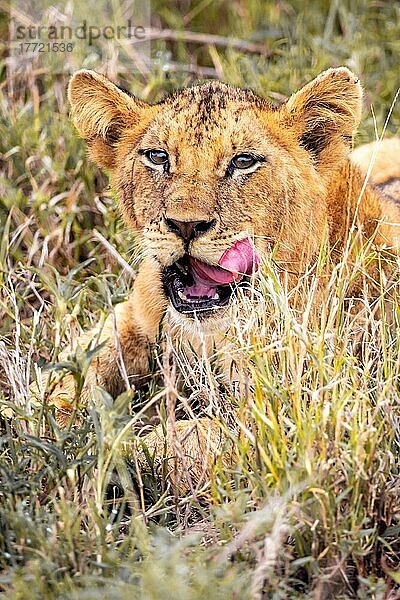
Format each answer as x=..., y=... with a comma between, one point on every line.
x=157, y=157
x=243, y=161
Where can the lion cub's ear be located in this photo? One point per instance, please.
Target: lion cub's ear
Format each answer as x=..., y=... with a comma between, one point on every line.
x=326, y=113
x=101, y=112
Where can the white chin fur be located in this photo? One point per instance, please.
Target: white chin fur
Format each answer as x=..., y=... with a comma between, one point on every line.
x=194, y=327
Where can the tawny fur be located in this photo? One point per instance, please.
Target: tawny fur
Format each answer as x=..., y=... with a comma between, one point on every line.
x=307, y=189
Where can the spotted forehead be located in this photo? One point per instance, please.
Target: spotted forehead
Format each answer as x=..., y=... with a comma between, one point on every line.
x=212, y=96
x=203, y=115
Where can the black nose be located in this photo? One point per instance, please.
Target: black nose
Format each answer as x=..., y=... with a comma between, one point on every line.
x=188, y=230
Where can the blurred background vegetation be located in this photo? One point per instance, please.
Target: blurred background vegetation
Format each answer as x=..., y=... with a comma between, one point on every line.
x=63, y=534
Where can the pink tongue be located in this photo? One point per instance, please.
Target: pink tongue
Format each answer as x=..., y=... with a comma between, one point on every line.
x=238, y=260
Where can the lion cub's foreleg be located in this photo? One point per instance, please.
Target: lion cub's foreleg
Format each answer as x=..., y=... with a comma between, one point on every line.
x=128, y=336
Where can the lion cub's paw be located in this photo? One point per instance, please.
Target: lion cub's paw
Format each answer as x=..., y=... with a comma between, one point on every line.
x=62, y=395
x=188, y=449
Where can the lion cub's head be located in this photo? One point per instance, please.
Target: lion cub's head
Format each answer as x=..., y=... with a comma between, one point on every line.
x=214, y=176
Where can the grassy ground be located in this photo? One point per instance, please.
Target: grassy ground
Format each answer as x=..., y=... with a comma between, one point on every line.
x=311, y=507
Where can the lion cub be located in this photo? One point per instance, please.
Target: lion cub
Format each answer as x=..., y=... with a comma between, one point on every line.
x=210, y=179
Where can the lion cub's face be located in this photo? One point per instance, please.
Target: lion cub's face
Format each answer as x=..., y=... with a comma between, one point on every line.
x=214, y=176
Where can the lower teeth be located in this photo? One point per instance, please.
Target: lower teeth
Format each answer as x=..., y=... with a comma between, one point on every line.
x=183, y=297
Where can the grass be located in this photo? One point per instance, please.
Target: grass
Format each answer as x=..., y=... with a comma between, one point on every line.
x=310, y=506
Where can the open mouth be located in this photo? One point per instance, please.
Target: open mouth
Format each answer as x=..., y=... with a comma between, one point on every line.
x=197, y=288
x=189, y=296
